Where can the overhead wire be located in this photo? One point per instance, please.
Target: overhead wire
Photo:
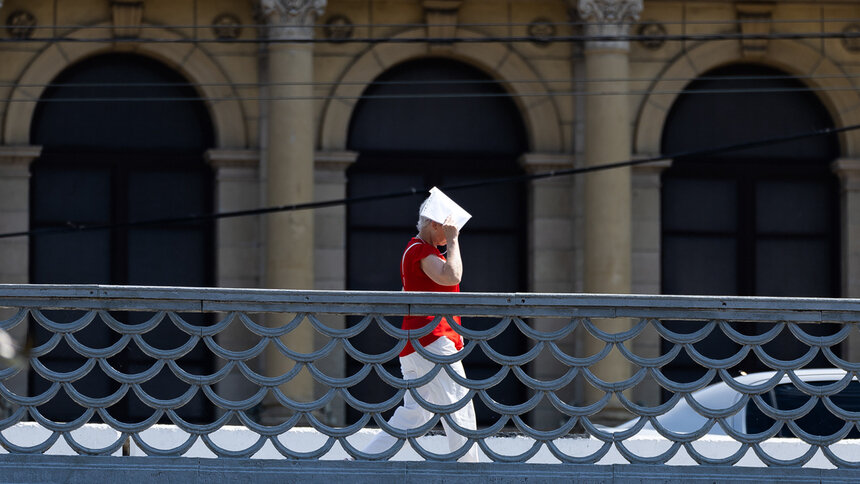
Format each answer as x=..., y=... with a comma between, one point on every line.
x=388, y=25
x=71, y=226
x=419, y=95
x=572, y=80
x=490, y=39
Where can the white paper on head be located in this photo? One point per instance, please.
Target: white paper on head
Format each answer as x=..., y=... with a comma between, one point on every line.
x=439, y=207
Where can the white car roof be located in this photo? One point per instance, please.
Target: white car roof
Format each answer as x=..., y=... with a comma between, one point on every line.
x=683, y=418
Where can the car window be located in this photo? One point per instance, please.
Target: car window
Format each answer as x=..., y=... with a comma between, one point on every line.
x=819, y=421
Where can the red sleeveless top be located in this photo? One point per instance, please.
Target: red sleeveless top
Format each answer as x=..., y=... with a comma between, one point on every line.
x=414, y=279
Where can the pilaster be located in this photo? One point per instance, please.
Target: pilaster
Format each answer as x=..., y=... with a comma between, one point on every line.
x=15, y=164
x=15, y=210
x=646, y=262
x=848, y=170
x=646, y=226
x=237, y=243
x=237, y=248
x=330, y=222
x=330, y=255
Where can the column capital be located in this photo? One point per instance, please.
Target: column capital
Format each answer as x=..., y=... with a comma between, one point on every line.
x=291, y=19
x=608, y=18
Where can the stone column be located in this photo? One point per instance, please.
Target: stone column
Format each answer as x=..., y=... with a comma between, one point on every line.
x=848, y=170
x=608, y=193
x=15, y=217
x=289, y=154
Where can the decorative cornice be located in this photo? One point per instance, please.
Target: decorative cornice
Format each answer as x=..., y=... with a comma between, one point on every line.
x=652, y=167
x=541, y=162
x=222, y=158
x=608, y=18
x=291, y=19
x=334, y=160
x=19, y=155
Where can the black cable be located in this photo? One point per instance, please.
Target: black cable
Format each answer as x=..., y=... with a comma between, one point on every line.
x=571, y=23
x=450, y=95
x=455, y=40
x=72, y=227
x=245, y=85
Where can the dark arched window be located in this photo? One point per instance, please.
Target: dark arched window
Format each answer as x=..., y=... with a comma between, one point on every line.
x=123, y=139
x=754, y=222
x=437, y=122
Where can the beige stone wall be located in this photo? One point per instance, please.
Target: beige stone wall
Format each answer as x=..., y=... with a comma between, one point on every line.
x=664, y=71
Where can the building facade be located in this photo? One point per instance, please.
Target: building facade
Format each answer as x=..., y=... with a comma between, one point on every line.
x=121, y=110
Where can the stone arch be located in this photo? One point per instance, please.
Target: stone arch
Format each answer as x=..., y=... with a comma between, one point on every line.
x=538, y=109
x=187, y=59
x=836, y=92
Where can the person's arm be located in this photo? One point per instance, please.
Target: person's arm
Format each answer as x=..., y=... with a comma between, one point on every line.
x=446, y=272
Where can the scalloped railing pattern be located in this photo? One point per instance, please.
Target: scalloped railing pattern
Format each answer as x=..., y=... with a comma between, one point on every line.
x=28, y=304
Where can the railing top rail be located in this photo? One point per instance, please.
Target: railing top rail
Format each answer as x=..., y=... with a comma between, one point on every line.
x=193, y=299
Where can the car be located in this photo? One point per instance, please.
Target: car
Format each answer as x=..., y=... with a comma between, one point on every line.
x=749, y=419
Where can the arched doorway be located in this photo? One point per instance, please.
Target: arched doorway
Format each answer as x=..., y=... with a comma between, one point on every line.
x=123, y=138
x=405, y=138
x=754, y=222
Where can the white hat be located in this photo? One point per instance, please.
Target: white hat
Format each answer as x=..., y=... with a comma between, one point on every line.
x=438, y=207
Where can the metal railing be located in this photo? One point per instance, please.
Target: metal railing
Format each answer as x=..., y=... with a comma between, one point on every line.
x=660, y=338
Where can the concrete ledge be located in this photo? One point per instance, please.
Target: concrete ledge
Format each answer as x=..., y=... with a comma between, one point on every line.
x=154, y=470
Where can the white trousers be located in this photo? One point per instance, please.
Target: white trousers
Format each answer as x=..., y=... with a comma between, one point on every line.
x=442, y=390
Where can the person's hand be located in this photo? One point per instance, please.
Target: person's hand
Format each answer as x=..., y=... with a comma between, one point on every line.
x=450, y=229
